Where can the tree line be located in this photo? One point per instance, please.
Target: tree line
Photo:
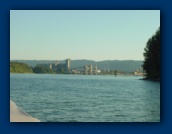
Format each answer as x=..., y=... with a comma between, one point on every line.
x=17, y=67
x=151, y=64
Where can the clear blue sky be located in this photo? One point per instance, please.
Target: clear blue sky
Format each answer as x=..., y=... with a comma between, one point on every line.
x=81, y=34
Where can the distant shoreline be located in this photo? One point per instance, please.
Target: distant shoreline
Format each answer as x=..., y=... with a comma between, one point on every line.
x=80, y=74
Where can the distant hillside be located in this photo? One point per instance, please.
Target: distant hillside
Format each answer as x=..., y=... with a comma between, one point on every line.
x=121, y=65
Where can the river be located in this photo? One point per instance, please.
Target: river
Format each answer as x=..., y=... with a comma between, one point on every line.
x=86, y=98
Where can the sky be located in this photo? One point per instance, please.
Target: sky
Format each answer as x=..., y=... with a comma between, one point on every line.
x=81, y=34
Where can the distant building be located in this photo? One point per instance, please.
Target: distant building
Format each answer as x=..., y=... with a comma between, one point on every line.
x=67, y=64
x=57, y=66
x=139, y=72
x=65, y=67
x=50, y=66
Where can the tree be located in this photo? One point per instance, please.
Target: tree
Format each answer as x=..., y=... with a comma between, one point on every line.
x=40, y=70
x=151, y=64
x=61, y=70
x=16, y=67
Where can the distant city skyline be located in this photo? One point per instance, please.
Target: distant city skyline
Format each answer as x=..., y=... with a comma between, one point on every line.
x=81, y=34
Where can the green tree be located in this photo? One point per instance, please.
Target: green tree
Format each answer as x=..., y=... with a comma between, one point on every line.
x=16, y=67
x=41, y=70
x=61, y=70
x=38, y=69
x=151, y=64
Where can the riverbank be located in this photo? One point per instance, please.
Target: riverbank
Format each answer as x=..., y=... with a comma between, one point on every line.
x=18, y=115
x=157, y=80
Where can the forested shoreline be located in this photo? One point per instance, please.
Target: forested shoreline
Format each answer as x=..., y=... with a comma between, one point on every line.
x=17, y=67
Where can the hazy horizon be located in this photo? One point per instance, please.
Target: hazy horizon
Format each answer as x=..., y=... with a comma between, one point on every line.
x=81, y=34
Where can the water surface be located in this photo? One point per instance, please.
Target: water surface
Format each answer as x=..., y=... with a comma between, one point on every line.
x=86, y=98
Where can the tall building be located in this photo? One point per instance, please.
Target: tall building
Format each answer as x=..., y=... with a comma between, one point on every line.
x=67, y=64
x=50, y=66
